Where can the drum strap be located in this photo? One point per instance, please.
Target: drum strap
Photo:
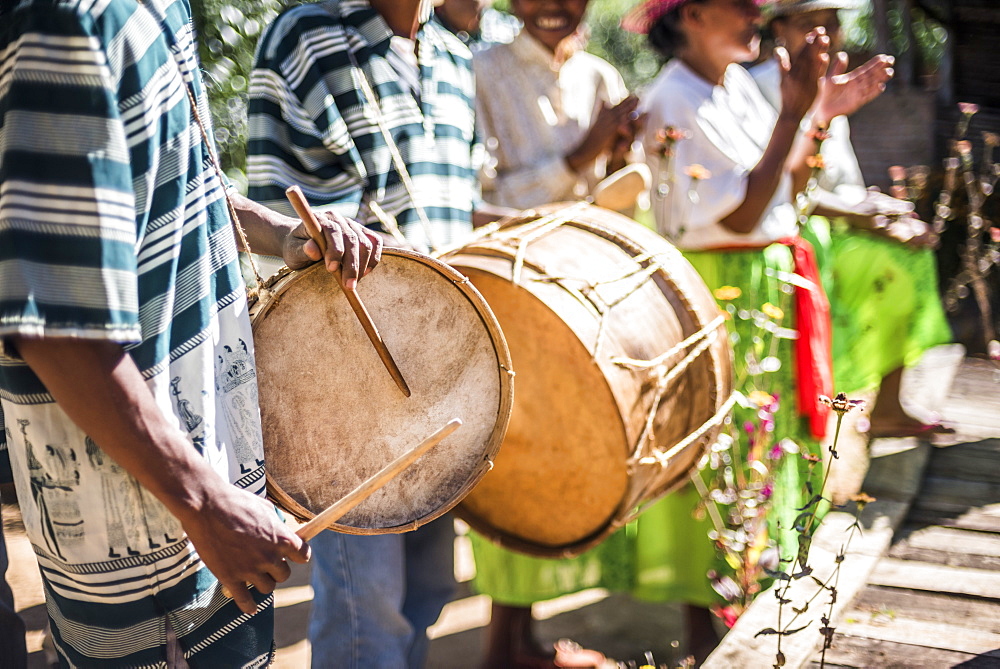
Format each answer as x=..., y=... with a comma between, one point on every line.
x=397, y=159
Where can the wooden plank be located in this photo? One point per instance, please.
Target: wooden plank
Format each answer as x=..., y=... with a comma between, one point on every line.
x=982, y=520
x=967, y=464
x=943, y=636
x=951, y=540
x=905, y=574
x=945, y=558
x=930, y=606
x=864, y=653
x=937, y=490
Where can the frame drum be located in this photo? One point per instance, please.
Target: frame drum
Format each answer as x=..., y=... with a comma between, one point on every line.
x=624, y=375
x=331, y=414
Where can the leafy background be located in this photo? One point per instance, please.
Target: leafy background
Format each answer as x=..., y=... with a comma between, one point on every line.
x=228, y=32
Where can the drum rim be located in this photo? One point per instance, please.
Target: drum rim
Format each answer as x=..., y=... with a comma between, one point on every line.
x=259, y=307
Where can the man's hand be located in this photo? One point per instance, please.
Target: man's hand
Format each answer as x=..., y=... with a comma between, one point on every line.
x=241, y=540
x=350, y=246
x=843, y=94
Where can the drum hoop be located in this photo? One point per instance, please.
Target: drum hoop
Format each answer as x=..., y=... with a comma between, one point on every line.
x=278, y=283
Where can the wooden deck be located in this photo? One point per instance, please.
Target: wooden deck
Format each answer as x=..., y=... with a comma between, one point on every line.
x=934, y=599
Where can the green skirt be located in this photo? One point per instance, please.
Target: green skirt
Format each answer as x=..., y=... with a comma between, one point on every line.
x=884, y=303
x=666, y=554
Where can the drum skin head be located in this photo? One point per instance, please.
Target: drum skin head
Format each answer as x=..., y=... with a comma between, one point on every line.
x=332, y=415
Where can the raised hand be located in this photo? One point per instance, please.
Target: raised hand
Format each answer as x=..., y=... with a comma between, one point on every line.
x=350, y=246
x=801, y=73
x=843, y=93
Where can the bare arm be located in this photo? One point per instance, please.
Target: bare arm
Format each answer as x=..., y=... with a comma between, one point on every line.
x=238, y=535
x=799, y=86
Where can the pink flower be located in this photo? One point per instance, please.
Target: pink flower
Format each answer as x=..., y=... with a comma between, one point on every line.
x=968, y=108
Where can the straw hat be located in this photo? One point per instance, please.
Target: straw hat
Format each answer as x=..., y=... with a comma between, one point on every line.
x=780, y=8
x=642, y=17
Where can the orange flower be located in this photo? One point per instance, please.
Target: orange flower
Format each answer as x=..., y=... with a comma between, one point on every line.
x=772, y=311
x=816, y=162
x=697, y=172
x=861, y=499
x=761, y=398
x=726, y=293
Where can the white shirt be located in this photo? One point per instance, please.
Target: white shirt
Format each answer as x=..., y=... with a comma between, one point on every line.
x=841, y=172
x=531, y=111
x=729, y=126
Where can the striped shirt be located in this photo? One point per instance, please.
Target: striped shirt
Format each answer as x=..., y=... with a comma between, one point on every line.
x=312, y=124
x=113, y=227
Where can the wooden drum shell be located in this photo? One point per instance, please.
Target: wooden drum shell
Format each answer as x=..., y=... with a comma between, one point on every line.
x=569, y=472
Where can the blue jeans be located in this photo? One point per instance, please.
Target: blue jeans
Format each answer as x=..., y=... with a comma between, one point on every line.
x=376, y=595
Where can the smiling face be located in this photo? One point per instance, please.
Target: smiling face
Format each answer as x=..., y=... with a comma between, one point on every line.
x=731, y=29
x=550, y=21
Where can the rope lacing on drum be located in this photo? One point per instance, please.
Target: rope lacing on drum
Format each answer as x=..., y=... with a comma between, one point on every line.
x=704, y=338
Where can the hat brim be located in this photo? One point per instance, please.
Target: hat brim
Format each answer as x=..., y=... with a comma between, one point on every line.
x=641, y=18
x=778, y=9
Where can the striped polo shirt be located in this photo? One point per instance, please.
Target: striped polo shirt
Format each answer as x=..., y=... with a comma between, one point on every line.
x=113, y=227
x=312, y=124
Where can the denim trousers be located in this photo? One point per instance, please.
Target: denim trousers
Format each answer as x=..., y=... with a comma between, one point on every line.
x=376, y=595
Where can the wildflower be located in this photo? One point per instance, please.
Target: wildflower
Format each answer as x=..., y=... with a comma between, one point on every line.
x=761, y=398
x=774, y=312
x=697, y=172
x=991, y=139
x=995, y=234
x=767, y=491
x=728, y=614
x=748, y=427
x=726, y=293
x=671, y=134
x=810, y=457
x=816, y=162
x=964, y=147
x=861, y=499
x=968, y=108
x=993, y=349
x=776, y=451
x=841, y=404
x=820, y=134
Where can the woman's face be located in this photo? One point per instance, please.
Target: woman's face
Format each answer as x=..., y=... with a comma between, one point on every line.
x=729, y=28
x=792, y=30
x=550, y=21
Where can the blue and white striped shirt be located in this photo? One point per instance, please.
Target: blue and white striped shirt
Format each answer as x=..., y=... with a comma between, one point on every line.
x=311, y=123
x=113, y=227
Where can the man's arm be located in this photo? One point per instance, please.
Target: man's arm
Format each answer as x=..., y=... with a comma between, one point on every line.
x=237, y=534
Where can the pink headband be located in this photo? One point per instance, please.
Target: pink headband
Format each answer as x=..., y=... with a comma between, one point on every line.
x=642, y=17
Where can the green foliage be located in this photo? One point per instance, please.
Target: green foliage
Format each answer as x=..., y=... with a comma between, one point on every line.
x=227, y=34
x=930, y=36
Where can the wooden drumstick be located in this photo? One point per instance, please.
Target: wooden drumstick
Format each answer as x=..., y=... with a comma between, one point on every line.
x=338, y=509
x=298, y=200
